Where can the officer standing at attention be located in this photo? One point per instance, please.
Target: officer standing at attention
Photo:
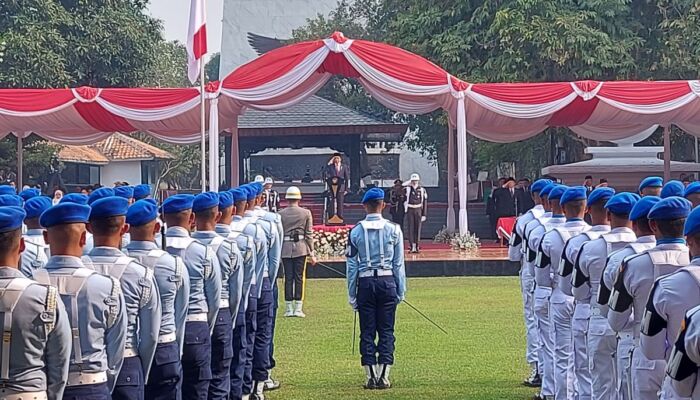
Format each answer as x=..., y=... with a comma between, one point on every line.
x=34, y=207
x=376, y=278
x=94, y=196
x=271, y=196
x=651, y=186
x=416, y=208
x=297, y=246
x=141, y=192
x=692, y=193
x=205, y=294
x=634, y=283
x=143, y=310
x=206, y=211
x=173, y=288
x=684, y=361
x=94, y=304
x=34, y=254
x=37, y=336
x=126, y=192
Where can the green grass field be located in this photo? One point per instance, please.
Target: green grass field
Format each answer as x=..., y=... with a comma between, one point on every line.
x=481, y=358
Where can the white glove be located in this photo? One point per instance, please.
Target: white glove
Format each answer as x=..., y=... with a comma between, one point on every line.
x=353, y=303
x=423, y=218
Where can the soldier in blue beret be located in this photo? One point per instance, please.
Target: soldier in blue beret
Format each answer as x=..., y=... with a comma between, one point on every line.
x=229, y=262
x=37, y=334
x=11, y=200
x=126, y=192
x=142, y=191
x=27, y=194
x=205, y=294
x=7, y=189
x=74, y=198
x=672, y=188
x=35, y=254
x=692, y=193
x=685, y=357
x=173, y=284
x=99, y=194
x=143, y=309
x=95, y=305
x=634, y=284
x=376, y=284
x=651, y=186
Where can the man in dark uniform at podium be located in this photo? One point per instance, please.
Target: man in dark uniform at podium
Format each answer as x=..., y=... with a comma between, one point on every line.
x=336, y=174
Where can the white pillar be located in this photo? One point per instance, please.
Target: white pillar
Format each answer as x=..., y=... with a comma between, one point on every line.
x=450, y=176
x=235, y=154
x=214, y=144
x=20, y=163
x=462, y=163
x=667, y=153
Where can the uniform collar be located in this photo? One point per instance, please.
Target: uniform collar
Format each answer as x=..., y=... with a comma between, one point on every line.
x=101, y=251
x=622, y=229
x=35, y=232
x=600, y=228
x=575, y=223
x=374, y=217
x=9, y=272
x=141, y=245
x=223, y=228
x=249, y=213
x=177, y=231
x=695, y=261
x=56, y=262
x=204, y=234
x=646, y=239
x=237, y=218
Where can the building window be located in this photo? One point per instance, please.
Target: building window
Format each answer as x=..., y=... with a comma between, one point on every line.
x=76, y=175
x=149, y=172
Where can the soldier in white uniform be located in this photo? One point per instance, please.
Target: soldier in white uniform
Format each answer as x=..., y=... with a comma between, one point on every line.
x=634, y=283
x=601, y=340
x=35, y=254
x=572, y=202
x=684, y=361
x=527, y=282
x=625, y=336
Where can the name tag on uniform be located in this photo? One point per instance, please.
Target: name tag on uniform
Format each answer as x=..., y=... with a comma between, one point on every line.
x=562, y=264
x=538, y=259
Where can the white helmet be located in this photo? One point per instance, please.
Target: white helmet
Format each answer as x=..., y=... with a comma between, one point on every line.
x=268, y=181
x=259, y=179
x=415, y=177
x=293, y=193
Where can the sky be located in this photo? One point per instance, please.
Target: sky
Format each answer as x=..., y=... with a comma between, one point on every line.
x=175, y=17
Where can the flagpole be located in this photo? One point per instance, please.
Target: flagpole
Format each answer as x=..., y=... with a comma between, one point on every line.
x=202, y=125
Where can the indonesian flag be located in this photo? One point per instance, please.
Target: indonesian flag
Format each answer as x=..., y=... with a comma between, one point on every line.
x=196, y=39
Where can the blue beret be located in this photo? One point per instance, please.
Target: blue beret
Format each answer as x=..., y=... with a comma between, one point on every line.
x=142, y=191
x=373, y=194
x=10, y=200
x=547, y=188
x=7, y=189
x=11, y=218
x=651, y=181
x=691, y=189
x=573, y=193
x=178, y=203
x=557, y=191
x=259, y=188
x=238, y=195
x=692, y=224
x=205, y=201
x=225, y=200
x=672, y=188
x=126, y=192
x=670, y=208
x=142, y=212
x=622, y=203
x=250, y=192
x=27, y=194
x=109, y=207
x=74, y=198
x=539, y=184
x=100, y=194
x=65, y=213
x=601, y=193
x=37, y=205
x=641, y=209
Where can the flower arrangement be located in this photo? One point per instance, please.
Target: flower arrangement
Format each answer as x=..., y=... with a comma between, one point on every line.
x=330, y=244
x=467, y=242
x=444, y=236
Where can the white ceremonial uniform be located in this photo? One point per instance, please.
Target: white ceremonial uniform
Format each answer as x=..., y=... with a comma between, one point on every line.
x=684, y=361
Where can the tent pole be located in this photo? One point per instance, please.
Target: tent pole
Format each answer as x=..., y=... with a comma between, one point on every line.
x=235, y=155
x=450, y=176
x=20, y=162
x=203, y=127
x=667, y=153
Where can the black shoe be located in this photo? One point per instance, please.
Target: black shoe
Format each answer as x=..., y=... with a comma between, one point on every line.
x=538, y=397
x=271, y=384
x=371, y=384
x=383, y=384
x=533, y=381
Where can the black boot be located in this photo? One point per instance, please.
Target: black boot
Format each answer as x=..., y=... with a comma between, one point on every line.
x=371, y=377
x=383, y=378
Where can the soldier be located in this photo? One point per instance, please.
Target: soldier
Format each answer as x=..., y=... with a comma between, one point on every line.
x=297, y=247
x=672, y=188
x=651, y=186
x=173, y=288
x=74, y=198
x=94, y=196
x=376, y=285
x=684, y=361
x=30, y=193
x=416, y=208
x=142, y=191
x=37, y=336
x=35, y=254
x=572, y=202
x=634, y=283
x=527, y=283
x=126, y=192
x=206, y=210
x=600, y=339
x=143, y=310
x=94, y=304
x=692, y=193
x=205, y=294
x=271, y=198
x=671, y=297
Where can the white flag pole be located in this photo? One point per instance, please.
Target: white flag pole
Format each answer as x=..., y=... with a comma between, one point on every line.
x=203, y=126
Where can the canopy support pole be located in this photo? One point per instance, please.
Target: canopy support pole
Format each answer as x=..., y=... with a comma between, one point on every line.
x=235, y=155
x=450, y=177
x=20, y=162
x=462, y=166
x=214, y=144
x=667, y=153
x=203, y=127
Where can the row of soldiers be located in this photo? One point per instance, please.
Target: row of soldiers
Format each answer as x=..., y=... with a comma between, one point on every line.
x=90, y=311
x=612, y=308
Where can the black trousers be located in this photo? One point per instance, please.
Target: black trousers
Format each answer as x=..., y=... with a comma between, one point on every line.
x=377, y=300
x=335, y=206
x=294, y=271
x=413, y=224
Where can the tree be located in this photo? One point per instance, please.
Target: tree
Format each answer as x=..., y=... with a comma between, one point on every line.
x=211, y=70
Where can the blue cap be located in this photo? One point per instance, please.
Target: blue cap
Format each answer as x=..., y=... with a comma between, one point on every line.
x=373, y=194
x=670, y=208
x=11, y=218
x=178, y=203
x=601, y=193
x=673, y=188
x=11, y=200
x=126, y=192
x=547, y=188
x=100, y=193
x=65, y=213
x=142, y=212
x=622, y=203
x=205, y=201
x=74, y=198
x=651, y=181
x=250, y=192
x=641, y=209
x=557, y=191
x=238, y=195
x=225, y=200
x=109, y=207
x=7, y=189
x=691, y=189
x=142, y=191
x=37, y=205
x=539, y=184
x=27, y=194
x=574, y=193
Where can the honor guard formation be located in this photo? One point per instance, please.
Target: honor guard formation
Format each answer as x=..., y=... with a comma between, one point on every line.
x=612, y=308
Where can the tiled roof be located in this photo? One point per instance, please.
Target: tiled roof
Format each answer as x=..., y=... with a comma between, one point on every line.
x=81, y=154
x=117, y=147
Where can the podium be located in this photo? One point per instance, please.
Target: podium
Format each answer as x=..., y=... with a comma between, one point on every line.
x=335, y=197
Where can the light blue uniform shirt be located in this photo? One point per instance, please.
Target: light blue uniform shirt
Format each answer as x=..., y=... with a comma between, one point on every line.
x=141, y=299
x=173, y=286
x=40, y=341
x=34, y=255
x=275, y=236
x=253, y=229
x=246, y=247
x=365, y=253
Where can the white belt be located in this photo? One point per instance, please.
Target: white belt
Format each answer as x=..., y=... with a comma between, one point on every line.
x=376, y=272
x=130, y=353
x=167, y=338
x=266, y=274
x=415, y=205
x=202, y=317
x=7, y=394
x=289, y=239
x=86, y=378
x=224, y=303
